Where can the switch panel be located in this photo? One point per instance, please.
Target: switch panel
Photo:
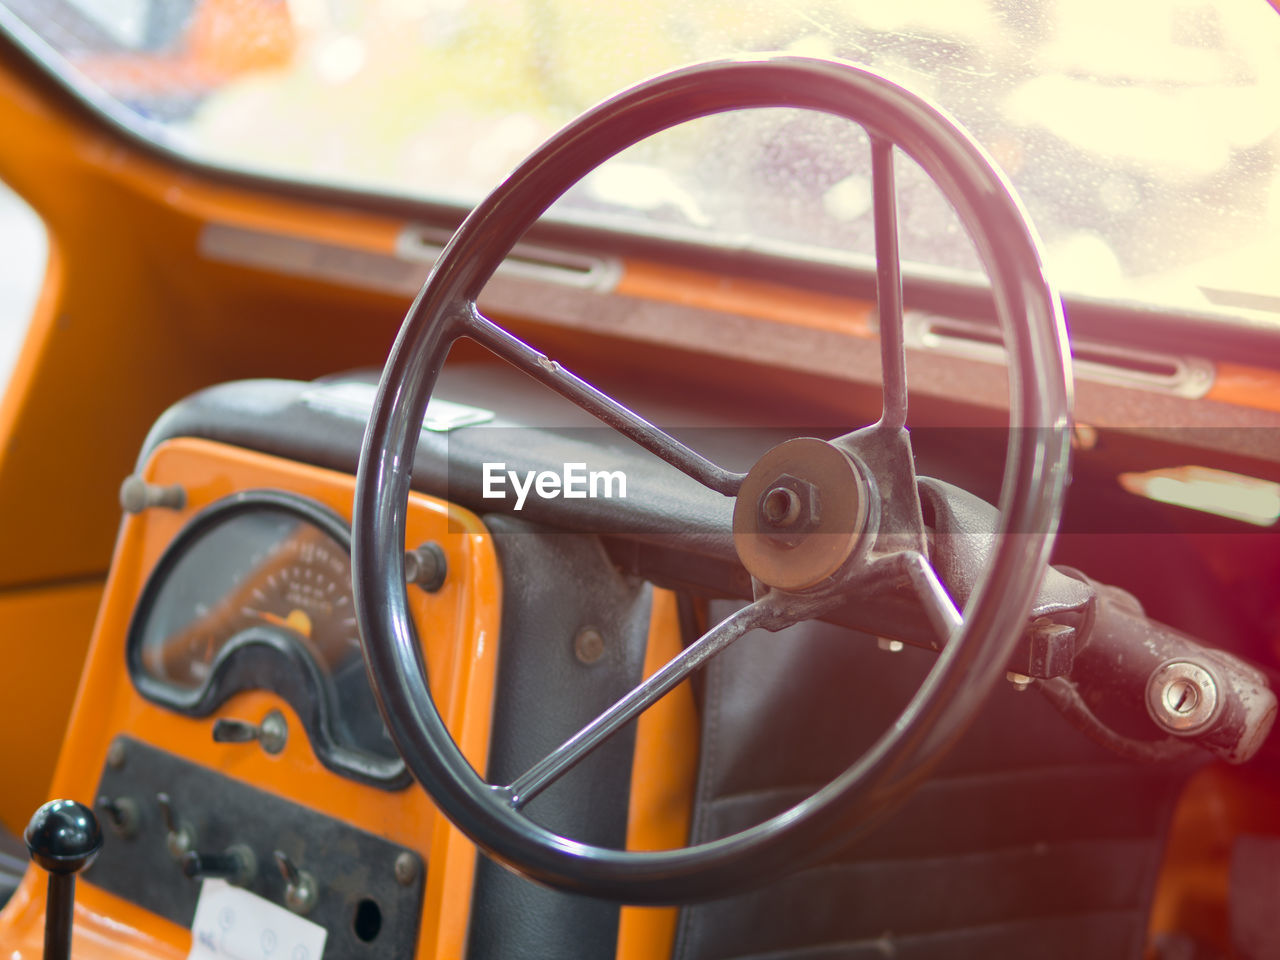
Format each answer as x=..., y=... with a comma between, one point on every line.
x=365, y=890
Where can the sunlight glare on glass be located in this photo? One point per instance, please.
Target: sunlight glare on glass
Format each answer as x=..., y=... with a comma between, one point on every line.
x=1208, y=490
x=1142, y=136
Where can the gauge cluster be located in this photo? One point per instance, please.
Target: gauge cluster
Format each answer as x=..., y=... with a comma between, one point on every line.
x=255, y=593
x=246, y=745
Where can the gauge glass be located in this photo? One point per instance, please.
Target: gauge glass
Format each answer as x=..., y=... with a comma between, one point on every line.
x=264, y=569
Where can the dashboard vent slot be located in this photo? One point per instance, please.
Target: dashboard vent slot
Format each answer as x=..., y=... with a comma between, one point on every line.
x=529, y=261
x=1175, y=374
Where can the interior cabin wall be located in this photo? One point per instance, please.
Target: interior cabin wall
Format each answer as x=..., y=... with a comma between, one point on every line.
x=44, y=632
x=133, y=318
x=130, y=319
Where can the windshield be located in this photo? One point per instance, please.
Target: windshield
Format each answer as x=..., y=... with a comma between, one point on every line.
x=1142, y=136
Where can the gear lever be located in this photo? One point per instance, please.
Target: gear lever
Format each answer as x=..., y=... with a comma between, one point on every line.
x=63, y=837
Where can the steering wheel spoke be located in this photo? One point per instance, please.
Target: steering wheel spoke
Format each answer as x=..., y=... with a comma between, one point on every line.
x=600, y=405
x=939, y=608
x=771, y=612
x=893, y=354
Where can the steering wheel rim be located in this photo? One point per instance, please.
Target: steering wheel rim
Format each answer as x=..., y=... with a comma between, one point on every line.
x=1030, y=502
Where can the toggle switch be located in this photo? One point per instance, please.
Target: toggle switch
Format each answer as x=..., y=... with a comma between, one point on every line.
x=181, y=836
x=236, y=864
x=271, y=733
x=299, y=886
x=121, y=813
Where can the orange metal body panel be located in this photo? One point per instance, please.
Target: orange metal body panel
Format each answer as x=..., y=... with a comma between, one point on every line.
x=1218, y=804
x=39, y=627
x=131, y=312
x=749, y=298
x=662, y=783
x=1246, y=387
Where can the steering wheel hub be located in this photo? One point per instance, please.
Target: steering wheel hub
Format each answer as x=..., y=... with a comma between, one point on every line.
x=800, y=513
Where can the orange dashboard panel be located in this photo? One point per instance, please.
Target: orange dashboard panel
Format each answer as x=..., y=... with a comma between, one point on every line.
x=152, y=759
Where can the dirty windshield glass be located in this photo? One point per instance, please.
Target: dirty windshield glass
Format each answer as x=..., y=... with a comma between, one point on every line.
x=1142, y=136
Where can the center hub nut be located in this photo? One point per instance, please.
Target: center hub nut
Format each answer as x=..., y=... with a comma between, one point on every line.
x=780, y=507
x=800, y=512
x=790, y=510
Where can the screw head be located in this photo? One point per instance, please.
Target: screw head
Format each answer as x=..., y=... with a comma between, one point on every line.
x=115, y=755
x=406, y=868
x=588, y=645
x=1020, y=681
x=1182, y=697
x=426, y=566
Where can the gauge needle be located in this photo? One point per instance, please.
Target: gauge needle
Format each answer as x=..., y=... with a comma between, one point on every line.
x=297, y=620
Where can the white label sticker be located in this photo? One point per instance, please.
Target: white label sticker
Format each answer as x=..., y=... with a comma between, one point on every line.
x=234, y=924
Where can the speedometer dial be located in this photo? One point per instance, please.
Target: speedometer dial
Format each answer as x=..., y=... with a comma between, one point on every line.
x=309, y=593
x=256, y=593
x=264, y=568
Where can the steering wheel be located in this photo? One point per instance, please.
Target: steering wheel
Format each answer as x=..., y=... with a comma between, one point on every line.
x=815, y=522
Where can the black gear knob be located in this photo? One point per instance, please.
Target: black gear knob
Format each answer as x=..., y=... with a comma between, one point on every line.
x=63, y=838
